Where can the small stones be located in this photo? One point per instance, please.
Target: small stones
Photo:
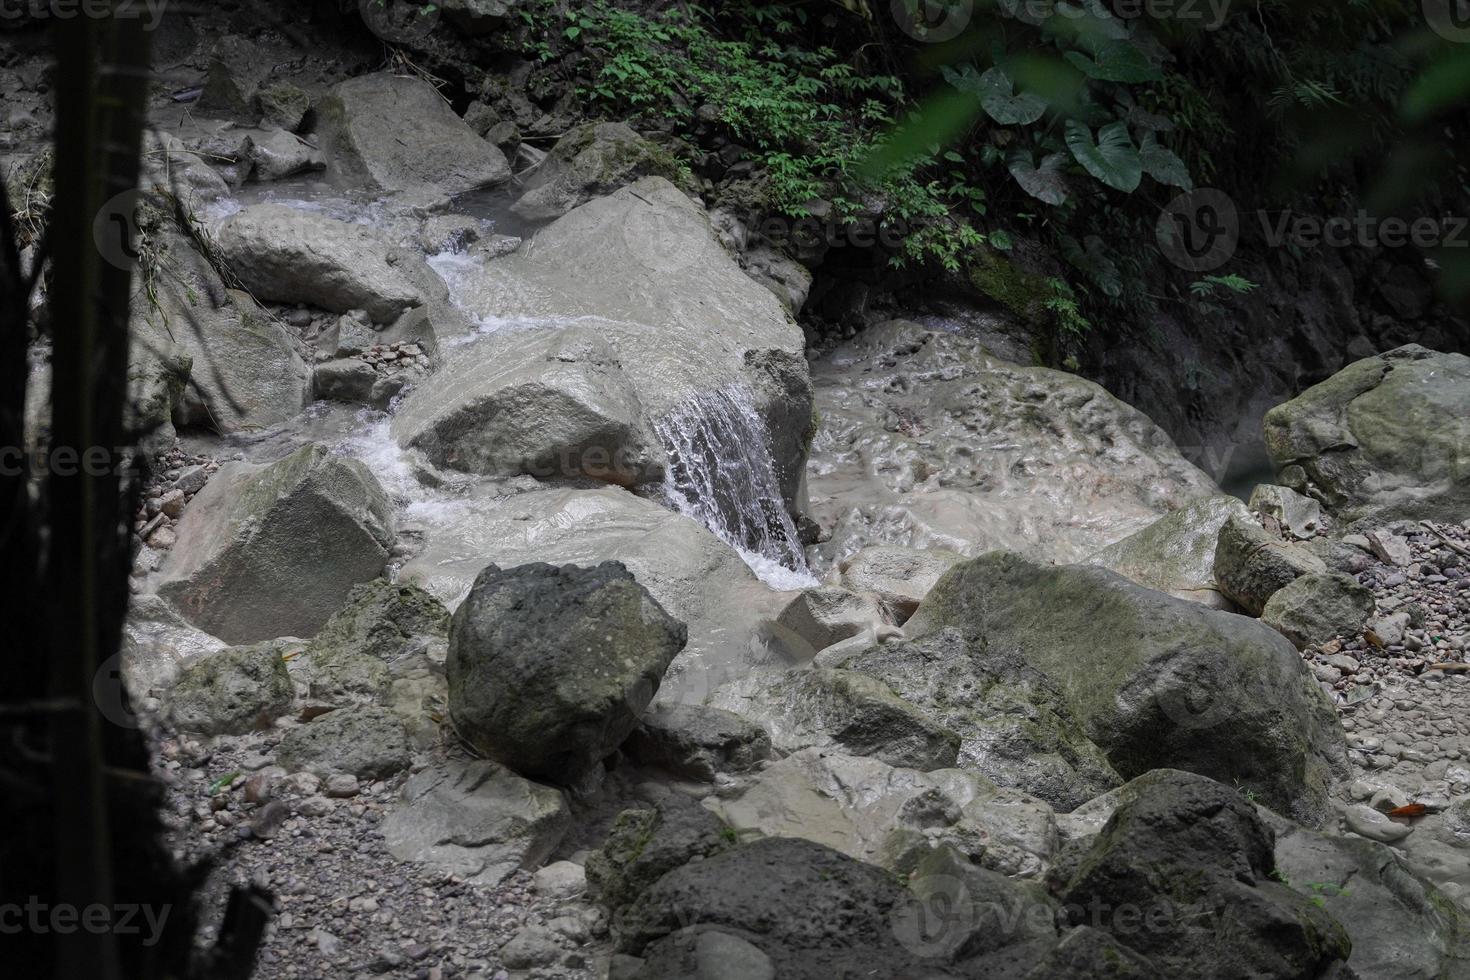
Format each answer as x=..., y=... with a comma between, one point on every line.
x=341, y=786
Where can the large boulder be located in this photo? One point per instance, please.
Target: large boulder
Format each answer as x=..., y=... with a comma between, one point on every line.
x=591, y=160
x=556, y=404
x=266, y=550
x=396, y=133
x=367, y=742
x=1387, y=436
x=840, y=710
x=1014, y=723
x=1153, y=680
x=1317, y=607
x=476, y=819
x=1252, y=565
x=1182, y=873
x=643, y=269
x=290, y=255
x=1176, y=553
x=243, y=368
x=694, y=575
x=697, y=742
x=928, y=441
x=887, y=815
x=549, y=668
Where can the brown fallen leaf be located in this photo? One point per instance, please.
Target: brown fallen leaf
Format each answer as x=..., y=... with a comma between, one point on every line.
x=1411, y=811
x=1450, y=668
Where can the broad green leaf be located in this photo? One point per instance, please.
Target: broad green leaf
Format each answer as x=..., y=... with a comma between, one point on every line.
x=939, y=121
x=1001, y=239
x=1044, y=182
x=1092, y=258
x=1115, y=61
x=1161, y=163
x=1005, y=106
x=1113, y=159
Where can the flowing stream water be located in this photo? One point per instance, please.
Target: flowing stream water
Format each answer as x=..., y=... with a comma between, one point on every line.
x=721, y=472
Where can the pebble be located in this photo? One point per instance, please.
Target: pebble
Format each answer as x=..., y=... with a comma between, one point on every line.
x=1369, y=823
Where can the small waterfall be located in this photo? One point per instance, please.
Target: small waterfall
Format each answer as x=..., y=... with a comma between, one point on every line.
x=721, y=474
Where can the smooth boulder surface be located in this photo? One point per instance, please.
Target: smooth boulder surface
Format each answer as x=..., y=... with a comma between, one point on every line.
x=556, y=403
x=290, y=255
x=1176, y=553
x=1153, y=680
x=476, y=819
x=1318, y=607
x=889, y=815
x=395, y=133
x=1252, y=564
x=592, y=160
x=236, y=570
x=1387, y=436
x=368, y=742
x=549, y=668
x=928, y=441
x=841, y=710
x=1014, y=723
x=643, y=269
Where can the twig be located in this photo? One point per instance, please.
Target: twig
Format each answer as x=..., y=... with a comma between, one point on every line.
x=1454, y=546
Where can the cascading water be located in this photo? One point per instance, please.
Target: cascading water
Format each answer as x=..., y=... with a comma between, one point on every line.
x=721, y=474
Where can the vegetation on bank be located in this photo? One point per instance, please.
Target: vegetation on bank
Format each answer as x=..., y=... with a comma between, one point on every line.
x=1062, y=123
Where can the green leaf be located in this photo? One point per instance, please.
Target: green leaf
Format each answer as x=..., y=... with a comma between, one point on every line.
x=223, y=782
x=1442, y=85
x=1115, y=61
x=1093, y=259
x=1161, y=163
x=572, y=32
x=940, y=120
x=1004, y=105
x=1001, y=239
x=1044, y=182
x=1113, y=159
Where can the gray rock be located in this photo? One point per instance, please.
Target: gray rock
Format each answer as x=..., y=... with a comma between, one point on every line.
x=1176, y=553
x=1300, y=515
x=1368, y=822
x=388, y=621
x=553, y=404
x=1251, y=565
x=1182, y=844
x=346, y=379
x=1385, y=436
x=236, y=69
x=720, y=956
x=961, y=912
x=293, y=256
x=591, y=160
x=274, y=154
x=1390, y=548
x=395, y=133
x=157, y=643
x=283, y=105
x=888, y=815
x=696, y=741
x=476, y=819
x=1015, y=724
x=479, y=17
x=643, y=269
x=1154, y=681
x=926, y=440
x=1401, y=926
x=1317, y=607
x=841, y=710
x=898, y=577
x=366, y=742
x=825, y=615
x=550, y=668
x=647, y=843
x=560, y=881
x=245, y=538
x=787, y=279
x=232, y=692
